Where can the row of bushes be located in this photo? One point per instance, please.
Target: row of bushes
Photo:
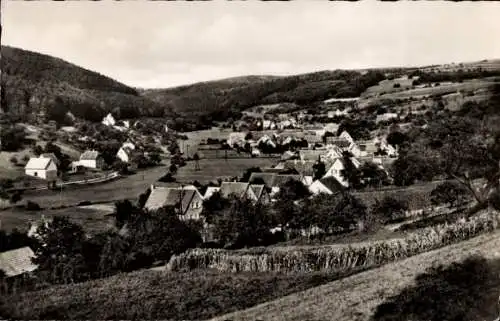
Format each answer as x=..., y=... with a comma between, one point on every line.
x=336, y=258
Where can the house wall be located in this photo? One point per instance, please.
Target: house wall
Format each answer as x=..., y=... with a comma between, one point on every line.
x=42, y=173
x=123, y=156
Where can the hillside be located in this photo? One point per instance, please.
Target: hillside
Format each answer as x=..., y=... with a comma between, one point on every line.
x=38, y=84
x=199, y=295
x=221, y=99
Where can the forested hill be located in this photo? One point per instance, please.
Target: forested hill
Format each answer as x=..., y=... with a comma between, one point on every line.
x=221, y=99
x=35, y=84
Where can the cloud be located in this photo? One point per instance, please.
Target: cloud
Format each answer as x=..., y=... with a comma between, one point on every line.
x=158, y=44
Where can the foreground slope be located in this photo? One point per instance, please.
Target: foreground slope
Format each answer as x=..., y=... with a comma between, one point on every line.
x=357, y=297
x=37, y=84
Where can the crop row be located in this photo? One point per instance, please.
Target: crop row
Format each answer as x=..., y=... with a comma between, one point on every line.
x=336, y=258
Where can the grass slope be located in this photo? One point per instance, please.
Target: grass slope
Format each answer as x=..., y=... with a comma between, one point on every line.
x=150, y=295
x=357, y=297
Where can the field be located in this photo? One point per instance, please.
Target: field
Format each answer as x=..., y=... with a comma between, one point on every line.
x=128, y=187
x=356, y=298
x=190, y=146
x=211, y=169
x=91, y=218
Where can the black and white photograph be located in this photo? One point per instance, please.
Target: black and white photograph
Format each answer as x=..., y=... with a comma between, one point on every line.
x=250, y=160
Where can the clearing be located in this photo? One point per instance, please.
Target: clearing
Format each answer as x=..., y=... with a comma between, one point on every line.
x=356, y=297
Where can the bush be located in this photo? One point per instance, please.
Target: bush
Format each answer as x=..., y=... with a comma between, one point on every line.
x=32, y=206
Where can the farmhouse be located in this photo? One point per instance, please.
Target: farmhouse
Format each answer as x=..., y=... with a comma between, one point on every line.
x=17, y=262
x=327, y=185
x=186, y=199
x=336, y=168
x=274, y=181
x=41, y=167
x=91, y=159
x=256, y=193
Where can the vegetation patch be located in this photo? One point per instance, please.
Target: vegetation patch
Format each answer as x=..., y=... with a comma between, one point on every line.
x=196, y=295
x=335, y=258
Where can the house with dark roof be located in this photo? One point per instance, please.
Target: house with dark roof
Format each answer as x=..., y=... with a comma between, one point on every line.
x=274, y=181
x=41, y=167
x=327, y=185
x=91, y=159
x=256, y=193
x=17, y=262
x=186, y=199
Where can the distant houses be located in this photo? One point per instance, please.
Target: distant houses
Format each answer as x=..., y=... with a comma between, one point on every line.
x=335, y=170
x=41, y=167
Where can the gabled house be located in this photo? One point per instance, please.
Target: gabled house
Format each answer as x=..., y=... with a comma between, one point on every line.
x=186, y=199
x=312, y=154
x=335, y=170
x=41, y=167
x=355, y=150
x=253, y=192
x=126, y=154
x=17, y=262
x=91, y=159
x=326, y=185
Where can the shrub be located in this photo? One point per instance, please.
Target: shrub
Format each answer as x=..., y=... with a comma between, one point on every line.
x=32, y=206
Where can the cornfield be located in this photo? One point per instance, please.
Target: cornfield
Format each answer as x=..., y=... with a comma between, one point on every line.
x=336, y=258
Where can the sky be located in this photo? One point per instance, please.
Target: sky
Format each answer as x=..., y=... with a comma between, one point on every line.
x=153, y=44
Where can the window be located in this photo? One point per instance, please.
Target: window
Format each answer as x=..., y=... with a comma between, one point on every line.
x=36, y=173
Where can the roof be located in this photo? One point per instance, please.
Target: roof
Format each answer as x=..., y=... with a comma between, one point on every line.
x=340, y=142
x=38, y=163
x=272, y=179
x=311, y=155
x=89, y=155
x=16, y=262
x=210, y=191
x=332, y=184
x=237, y=188
x=51, y=156
x=168, y=196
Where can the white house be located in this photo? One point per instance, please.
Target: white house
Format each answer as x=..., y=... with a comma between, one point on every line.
x=336, y=169
x=109, y=120
x=326, y=185
x=345, y=135
x=42, y=167
x=236, y=138
x=355, y=150
x=91, y=159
